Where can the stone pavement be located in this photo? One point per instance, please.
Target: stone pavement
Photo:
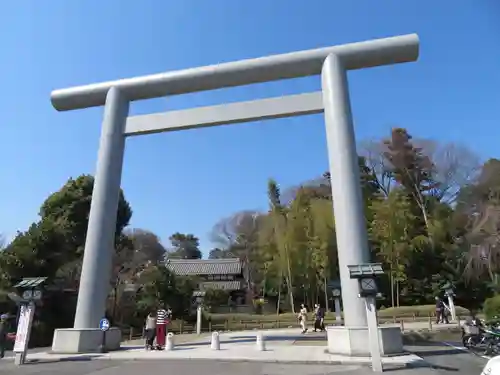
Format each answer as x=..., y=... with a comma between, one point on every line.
x=286, y=348
x=287, y=354
x=291, y=334
x=281, y=345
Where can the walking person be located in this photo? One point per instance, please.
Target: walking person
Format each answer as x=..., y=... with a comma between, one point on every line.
x=161, y=327
x=303, y=318
x=317, y=322
x=3, y=334
x=319, y=316
x=440, y=311
x=150, y=331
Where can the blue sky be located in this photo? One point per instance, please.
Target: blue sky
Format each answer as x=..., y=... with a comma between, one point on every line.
x=187, y=181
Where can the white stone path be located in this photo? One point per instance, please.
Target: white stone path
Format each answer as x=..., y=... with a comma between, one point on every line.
x=238, y=346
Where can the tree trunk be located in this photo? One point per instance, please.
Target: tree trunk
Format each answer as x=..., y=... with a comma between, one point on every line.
x=397, y=281
x=289, y=281
x=397, y=293
x=420, y=200
x=288, y=278
x=264, y=288
x=326, y=294
x=392, y=289
x=279, y=297
x=115, y=302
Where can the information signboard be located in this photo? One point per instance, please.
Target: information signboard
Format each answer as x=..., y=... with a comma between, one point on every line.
x=24, y=327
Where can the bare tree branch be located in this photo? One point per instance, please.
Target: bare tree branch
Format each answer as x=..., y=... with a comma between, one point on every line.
x=483, y=239
x=237, y=230
x=373, y=152
x=455, y=166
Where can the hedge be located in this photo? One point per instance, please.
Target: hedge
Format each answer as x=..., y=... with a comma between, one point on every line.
x=236, y=322
x=491, y=308
x=423, y=311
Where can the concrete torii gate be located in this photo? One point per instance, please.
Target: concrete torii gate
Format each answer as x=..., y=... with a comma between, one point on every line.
x=331, y=62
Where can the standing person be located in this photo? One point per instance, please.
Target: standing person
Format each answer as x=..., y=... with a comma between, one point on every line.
x=4, y=327
x=446, y=311
x=161, y=327
x=303, y=318
x=440, y=310
x=150, y=331
x=168, y=318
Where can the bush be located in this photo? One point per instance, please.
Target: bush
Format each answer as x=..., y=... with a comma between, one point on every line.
x=215, y=297
x=418, y=311
x=491, y=308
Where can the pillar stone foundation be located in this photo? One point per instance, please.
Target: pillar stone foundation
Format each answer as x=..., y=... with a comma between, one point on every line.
x=353, y=341
x=84, y=340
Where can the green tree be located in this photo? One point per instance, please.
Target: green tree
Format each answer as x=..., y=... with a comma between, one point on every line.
x=185, y=246
x=69, y=209
x=37, y=252
x=392, y=229
x=159, y=285
x=146, y=246
x=412, y=170
x=325, y=259
x=278, y=223
x=53, y=247
x=217, y=253
x=216, y=297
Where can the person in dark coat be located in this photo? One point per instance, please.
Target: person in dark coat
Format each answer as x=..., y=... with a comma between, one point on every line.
x=441, y=315
x=3, y=333
x=319, y=318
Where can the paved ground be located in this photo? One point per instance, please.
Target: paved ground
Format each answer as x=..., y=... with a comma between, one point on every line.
x=9, y=353
x=437, y=358
x=407, y=327
x=191, y=368
x=447, y=357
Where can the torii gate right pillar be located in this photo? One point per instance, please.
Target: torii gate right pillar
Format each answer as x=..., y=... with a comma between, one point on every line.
x=350, y=222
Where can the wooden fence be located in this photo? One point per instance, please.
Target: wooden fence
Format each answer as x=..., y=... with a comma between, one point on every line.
x=182, y=327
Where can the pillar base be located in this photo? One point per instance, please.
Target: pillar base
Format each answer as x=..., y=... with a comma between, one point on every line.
x=354, y=341
x=84, y=340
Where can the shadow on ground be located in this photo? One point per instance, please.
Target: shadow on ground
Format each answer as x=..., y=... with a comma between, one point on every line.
x=184, y=346
x=84, y=358
x=268, y=338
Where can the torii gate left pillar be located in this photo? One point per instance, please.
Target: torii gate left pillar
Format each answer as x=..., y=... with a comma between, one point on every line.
x=332, y=63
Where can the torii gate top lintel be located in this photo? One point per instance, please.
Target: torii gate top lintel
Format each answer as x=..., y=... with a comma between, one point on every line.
x=358, y=55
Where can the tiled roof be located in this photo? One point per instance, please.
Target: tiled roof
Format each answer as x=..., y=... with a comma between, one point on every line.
x=223, y=285
x=192, y=267
x=30, y=282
